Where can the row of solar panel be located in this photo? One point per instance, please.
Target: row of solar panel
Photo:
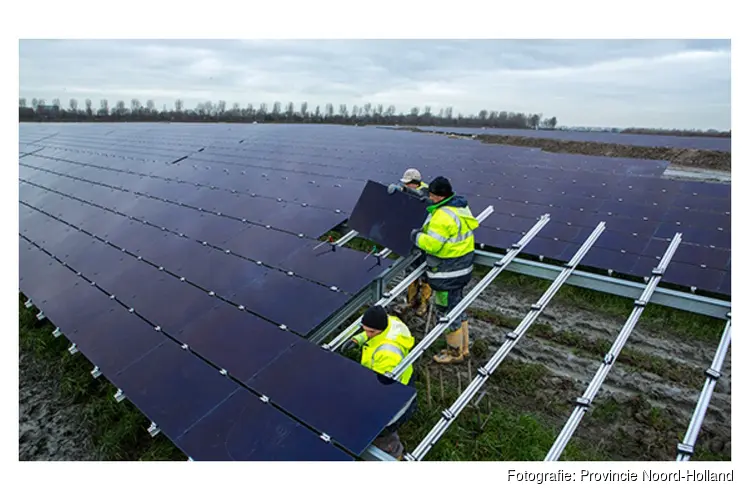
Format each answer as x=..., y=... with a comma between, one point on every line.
x=700, y=228
x=575, y=196
x=235, y=276
x=179, y=393
x=632, y=254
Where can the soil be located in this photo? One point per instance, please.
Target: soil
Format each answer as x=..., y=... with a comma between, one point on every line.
x=49, y=427
x=710, y=160
x=650, y=413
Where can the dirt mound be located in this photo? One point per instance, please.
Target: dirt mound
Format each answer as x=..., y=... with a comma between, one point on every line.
x=713, y=160
x=719, y=160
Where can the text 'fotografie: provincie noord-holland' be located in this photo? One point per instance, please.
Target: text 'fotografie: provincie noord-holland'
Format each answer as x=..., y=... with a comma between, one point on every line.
x=686, y=475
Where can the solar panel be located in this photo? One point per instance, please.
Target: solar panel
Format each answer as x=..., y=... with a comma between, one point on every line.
x=387, y=219
x=328, y=402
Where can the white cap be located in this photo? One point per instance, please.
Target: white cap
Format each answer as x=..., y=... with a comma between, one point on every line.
x=411, y=175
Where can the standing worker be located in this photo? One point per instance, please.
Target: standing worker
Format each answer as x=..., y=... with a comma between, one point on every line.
x=447, y=238
x=419, y=291
x=385, y=341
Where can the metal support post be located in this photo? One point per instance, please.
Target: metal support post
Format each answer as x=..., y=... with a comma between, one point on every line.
x=470, y=297
x=450, y=414
x=390, y=296
x=583, y=403
x=686, y=448
x=483, y=373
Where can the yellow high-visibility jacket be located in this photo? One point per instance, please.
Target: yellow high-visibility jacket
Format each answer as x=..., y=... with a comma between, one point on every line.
x=385, y=351
x=447, y=236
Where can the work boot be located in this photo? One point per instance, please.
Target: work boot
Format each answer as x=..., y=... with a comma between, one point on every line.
x=411, y=293
x=424, y=297
x=465, y=335
x=454, y=352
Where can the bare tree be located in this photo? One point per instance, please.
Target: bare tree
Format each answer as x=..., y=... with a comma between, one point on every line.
x=73, y=105
x=178, y=105
x=120, y=108
x=317, y=111
x=135, y=106
x=22, y=102
x=343, y=111
x=221, y=108
x=56, y=103
x=150, y=106
x=35, y=103
x=329, y=110
x=449, y=112
x=89, y=107
x=379, y=111
x=104, y=107
x=276, y=111
x=290, y=111
x=303, y=110
x=367, y=108
x=355, y=111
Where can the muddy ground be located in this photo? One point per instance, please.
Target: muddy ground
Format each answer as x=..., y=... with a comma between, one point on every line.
x=49, y=426
x=647, y=400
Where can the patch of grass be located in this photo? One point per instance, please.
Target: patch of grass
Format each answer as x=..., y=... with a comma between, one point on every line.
x=595, y=349
x=681, y=324
x=118, y=430
x=508, y=434
x=607, y=411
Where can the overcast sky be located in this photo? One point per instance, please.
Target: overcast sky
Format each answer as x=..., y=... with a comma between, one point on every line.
x=669, y=83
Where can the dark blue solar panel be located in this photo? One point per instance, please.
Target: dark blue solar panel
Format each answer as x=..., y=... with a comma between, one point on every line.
x=174, y=388
x=387, y=219
x=274, y=295
x=266, y=245
x=343, y=268
x=235, y=340
x=244, y=428
x=329, y=401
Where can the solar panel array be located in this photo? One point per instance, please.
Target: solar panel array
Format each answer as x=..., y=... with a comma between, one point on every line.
x=199, y=241
x=645, y=140
x=195, y=301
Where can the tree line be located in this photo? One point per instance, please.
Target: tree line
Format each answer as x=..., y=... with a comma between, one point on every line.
x=208, y=111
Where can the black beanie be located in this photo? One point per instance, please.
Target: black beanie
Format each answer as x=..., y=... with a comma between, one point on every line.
x=376, y=318
x=441, y=186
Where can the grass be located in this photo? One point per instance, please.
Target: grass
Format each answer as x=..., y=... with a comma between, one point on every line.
x=595, y=349
x=674, y=322
x=509, y=434
x=118, y=430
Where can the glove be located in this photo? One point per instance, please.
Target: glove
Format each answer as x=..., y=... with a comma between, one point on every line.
x=349, y=345
x=393, y=188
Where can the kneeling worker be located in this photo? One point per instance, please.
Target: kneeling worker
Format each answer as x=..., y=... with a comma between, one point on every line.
x=386, y=340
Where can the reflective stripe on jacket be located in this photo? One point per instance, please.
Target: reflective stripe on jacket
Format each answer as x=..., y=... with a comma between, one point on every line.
x=384, y=352
x=447, y=236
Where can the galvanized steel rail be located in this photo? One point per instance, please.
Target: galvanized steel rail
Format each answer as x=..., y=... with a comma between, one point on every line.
x=450, y=414
x=583, y=403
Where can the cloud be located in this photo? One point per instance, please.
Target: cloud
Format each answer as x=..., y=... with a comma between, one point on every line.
x=658, y=83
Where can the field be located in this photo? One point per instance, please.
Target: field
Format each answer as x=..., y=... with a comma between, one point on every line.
x=641, y=414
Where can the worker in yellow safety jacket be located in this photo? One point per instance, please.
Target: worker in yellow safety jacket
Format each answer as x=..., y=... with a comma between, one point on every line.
x=447, y=237
x=419, y=292
x=385, y=341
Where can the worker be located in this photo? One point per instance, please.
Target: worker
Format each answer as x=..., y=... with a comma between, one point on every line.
x=419, y=291
x=411, y=183
x=447, y=238
x=385, y=341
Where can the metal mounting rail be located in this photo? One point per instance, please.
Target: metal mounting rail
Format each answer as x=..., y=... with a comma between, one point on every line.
x=583, y=403
x=346, y=238
x=687, y=447
x=445, y=321
x=512, y=338
x=391, y=295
